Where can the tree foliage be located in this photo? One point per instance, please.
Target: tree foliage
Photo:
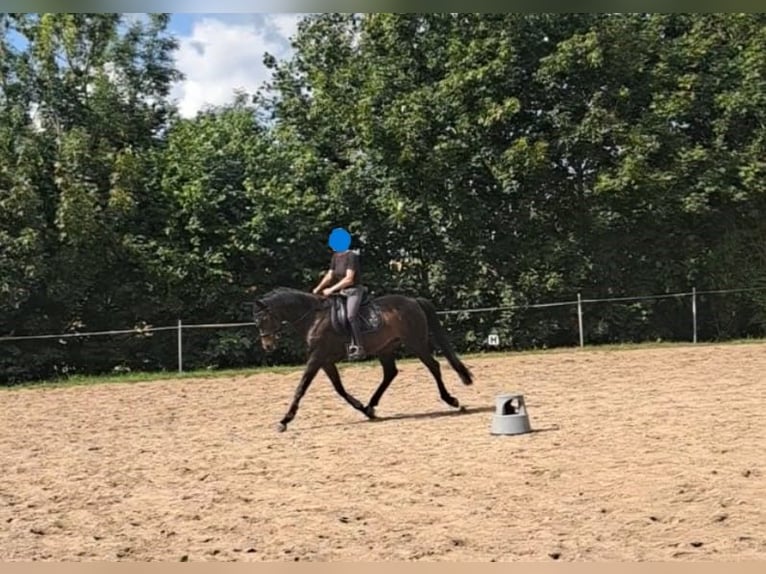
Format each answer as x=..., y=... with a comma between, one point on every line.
x=478, y=159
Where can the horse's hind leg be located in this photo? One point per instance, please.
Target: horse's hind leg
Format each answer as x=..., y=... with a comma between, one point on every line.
x=421, y=350
x=433, y=366
x=332, y=373
x=389, y=373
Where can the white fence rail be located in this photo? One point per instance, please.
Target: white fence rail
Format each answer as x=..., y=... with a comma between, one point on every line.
x=493, y=341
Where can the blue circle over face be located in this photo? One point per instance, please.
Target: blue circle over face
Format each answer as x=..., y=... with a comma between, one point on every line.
x=340, y=239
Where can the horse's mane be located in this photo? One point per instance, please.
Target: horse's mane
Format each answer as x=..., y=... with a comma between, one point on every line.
x=287, y=290
x=289, y=296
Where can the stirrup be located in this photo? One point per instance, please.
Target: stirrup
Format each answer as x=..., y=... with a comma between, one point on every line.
x=355, y=352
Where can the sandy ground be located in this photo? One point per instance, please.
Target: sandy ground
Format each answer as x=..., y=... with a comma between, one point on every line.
x=635, y=455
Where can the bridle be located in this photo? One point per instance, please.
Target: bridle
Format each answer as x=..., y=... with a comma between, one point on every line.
x=282, y=324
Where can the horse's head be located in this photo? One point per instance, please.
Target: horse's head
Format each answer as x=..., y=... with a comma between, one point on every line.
x=283, y=307
x=267, y=325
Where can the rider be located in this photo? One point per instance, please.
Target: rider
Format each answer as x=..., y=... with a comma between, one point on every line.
x=346, y=273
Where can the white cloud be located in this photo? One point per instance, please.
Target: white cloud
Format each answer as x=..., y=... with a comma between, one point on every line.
x=286, y=24
x=219, y=57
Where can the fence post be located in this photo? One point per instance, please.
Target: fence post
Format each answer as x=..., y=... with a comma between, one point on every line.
x=694, y=313
x=180, y=349
x=579, y=318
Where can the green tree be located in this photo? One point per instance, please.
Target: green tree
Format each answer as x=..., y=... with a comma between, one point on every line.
x=86, y=95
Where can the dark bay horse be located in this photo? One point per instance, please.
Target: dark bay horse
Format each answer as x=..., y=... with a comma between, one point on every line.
x=404, y=321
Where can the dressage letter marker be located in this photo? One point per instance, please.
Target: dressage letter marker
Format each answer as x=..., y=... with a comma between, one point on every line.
x=510, y=415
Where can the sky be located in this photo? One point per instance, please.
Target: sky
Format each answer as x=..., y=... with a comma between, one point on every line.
x=219, y=53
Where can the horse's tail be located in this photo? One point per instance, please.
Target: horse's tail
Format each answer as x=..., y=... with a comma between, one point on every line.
x=441, y=338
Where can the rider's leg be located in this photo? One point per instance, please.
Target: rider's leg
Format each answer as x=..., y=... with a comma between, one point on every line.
x=352, y=309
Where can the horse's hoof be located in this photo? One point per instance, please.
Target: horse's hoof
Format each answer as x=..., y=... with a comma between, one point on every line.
x=281, y=427
x=370, y=413
x=463, y=408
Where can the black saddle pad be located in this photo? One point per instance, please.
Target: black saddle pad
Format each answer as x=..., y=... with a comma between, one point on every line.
x=369, y=314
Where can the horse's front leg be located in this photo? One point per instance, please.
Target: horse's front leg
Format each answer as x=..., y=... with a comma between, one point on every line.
x=308, y=375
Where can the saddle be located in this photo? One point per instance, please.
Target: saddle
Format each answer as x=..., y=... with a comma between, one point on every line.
x=369, y=314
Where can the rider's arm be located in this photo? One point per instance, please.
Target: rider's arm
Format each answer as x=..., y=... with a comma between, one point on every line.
x=325, y=280
x=345, y=282
x=351, y=272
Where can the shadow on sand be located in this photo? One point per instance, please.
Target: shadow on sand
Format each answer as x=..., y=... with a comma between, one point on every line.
x=463, y=411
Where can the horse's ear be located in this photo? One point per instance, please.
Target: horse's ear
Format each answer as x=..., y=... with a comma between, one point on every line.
x=260, y=304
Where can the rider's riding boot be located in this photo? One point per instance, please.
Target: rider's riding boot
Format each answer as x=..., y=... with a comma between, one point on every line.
x=356, y=351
